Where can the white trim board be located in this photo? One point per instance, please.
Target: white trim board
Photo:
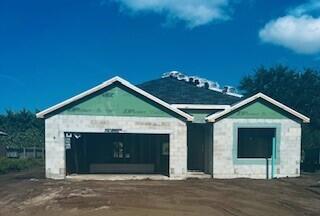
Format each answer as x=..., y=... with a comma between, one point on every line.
x=3, y=133
x=215, y=116
x=200, y=106
x=105, y=84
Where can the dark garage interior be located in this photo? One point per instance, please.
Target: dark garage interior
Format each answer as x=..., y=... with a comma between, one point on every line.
x=117, y=153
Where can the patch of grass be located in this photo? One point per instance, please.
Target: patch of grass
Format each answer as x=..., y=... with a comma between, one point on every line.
x=15, y=165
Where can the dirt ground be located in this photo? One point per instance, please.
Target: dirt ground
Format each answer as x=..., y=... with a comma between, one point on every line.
x=28, y=193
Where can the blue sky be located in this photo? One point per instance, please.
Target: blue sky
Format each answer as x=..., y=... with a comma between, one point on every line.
x=52, y=50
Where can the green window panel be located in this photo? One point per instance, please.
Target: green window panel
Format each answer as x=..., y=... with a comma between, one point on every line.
x=116, y=101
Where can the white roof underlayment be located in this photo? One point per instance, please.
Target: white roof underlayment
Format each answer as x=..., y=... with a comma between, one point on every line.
x=214, y=86
x=215, y=116
x=105, y=84
x=3, y=133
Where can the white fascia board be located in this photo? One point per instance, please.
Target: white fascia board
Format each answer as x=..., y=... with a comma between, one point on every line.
x=155, y=99
x=234, y=94
x=3, y=133
x=75, y=98
x=200, y=106
x=213, y=117
x=104, y=85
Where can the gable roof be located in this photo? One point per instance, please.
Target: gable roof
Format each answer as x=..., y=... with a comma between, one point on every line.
x=175, y=91
x=215, y=116
x=107, y=83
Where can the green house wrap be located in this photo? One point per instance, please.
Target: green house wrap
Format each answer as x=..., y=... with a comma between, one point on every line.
x=116, y=101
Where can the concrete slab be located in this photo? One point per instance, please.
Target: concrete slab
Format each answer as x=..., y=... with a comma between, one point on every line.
x=116, y=177
x=198, y=175
x=124, y=177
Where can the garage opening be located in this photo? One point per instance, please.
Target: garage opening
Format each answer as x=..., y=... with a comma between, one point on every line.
x=117, y=153
x=255, y=142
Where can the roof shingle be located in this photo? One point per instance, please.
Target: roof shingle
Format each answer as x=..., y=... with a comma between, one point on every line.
x=175, y=91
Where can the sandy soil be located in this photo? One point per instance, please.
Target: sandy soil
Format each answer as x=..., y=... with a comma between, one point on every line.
x=28, y=193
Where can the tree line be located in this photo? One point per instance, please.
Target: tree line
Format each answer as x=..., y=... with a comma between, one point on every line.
x=299, y=90
x=23, y=129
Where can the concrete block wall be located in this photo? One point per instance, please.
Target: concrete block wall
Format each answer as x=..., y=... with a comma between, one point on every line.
x=56, y=126
x=225, y=166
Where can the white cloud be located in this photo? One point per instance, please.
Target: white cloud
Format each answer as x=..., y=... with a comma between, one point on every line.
x=192, y=12
x=309, y=7
x=298, y=30
x=300, y=34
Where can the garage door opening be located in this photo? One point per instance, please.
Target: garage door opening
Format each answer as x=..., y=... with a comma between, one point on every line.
x=117, y=153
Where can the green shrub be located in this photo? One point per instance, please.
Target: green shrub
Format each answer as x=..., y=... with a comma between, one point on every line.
x=14, y=165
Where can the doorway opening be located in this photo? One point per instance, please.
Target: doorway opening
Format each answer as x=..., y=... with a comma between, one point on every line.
x=199, y=140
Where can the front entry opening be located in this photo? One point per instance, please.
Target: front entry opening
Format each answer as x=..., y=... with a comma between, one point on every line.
x=199, y=147
x=118, y=153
